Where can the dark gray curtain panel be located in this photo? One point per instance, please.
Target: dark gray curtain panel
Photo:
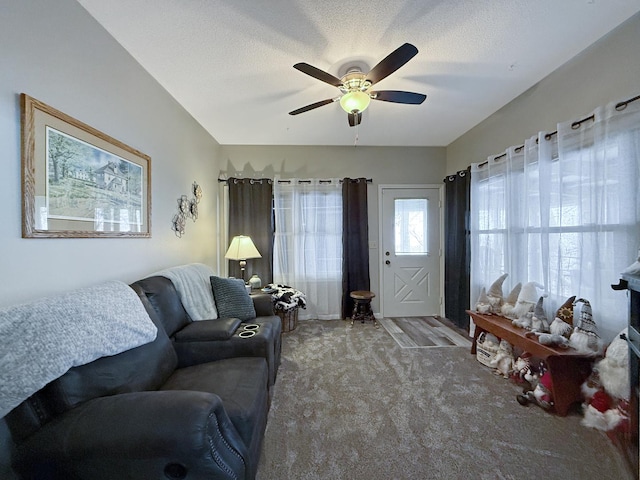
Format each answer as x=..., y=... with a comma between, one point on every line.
x=251, y=213
x=457, y=251
x=355, y=241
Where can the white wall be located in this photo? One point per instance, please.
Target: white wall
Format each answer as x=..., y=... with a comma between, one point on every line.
x=56, y=53
x=384, y=165
x=608, y=70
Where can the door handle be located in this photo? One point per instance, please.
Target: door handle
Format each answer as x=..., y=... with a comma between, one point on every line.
x=387, y=262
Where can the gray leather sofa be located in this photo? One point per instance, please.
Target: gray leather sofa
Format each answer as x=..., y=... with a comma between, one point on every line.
x=192, y=404
x=207, y=340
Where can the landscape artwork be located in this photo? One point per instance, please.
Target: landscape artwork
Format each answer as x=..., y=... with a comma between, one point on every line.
x=87, y=183
x=78, y=182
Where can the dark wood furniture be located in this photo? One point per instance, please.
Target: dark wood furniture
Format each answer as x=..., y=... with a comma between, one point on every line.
x=567, y=368
x=362, y=306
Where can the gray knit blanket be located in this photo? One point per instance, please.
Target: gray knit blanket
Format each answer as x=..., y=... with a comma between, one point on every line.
x=193, y=284
x=42, y=339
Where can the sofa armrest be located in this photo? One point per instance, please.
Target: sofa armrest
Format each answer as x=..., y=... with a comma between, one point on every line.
x=156, y=434
x=263, y=304
x=207, y=330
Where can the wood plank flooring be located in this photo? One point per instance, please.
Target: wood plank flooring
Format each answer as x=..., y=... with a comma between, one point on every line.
x=423, y=332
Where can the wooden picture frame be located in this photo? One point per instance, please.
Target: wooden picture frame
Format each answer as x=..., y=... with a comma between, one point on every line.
x=78, y=182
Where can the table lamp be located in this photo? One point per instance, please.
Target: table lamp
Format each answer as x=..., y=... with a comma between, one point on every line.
x=241, y=249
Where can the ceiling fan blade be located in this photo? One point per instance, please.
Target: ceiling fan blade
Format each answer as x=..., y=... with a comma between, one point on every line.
x=392, y=62
x=354, y=118
x=317, y=73
x=398, y=96
x=312, y=106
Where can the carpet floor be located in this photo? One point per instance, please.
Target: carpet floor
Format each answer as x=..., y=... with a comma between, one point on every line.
x=350, y=403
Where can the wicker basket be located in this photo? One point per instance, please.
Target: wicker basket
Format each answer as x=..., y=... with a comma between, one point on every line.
x=289, y=319
x=485, y=353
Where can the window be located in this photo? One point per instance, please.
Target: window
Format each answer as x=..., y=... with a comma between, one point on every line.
x=563, y=211
x=410, y=226
x=308, y=243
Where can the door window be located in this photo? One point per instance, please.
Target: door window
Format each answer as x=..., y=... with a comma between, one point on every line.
x=410, y=226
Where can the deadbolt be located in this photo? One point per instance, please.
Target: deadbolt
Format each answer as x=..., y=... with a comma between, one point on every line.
x=388, y=262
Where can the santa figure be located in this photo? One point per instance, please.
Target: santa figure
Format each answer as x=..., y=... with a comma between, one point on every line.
x=607, y=390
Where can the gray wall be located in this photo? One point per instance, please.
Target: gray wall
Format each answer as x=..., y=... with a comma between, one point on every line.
x=57, y=53
x=384, y=165
x=608, y=70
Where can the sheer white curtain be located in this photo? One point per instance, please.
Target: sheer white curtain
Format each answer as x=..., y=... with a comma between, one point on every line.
x=308, y=243
x=563, y=210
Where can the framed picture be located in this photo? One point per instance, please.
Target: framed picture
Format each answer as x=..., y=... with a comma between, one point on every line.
x=79, y=182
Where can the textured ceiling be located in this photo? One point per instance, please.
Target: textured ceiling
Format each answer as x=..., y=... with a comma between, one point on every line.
x=230, y=62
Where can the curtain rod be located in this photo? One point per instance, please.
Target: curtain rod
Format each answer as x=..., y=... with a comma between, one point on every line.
x=575, y=125
x=259, y=180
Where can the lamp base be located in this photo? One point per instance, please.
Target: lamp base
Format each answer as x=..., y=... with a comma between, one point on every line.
x=243, y=263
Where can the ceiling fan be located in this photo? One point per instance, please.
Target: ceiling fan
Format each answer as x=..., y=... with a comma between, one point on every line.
x=355, y=85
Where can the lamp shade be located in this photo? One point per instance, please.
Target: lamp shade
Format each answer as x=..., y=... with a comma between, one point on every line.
x=353, y=102
x=241, y=248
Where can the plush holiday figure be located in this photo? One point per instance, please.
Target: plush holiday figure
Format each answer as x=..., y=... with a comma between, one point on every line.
x=607, y=390
x=613, y=369
x=539, y=322
x=550, y=339
x=495, y=294
x=503, y=361
x=489, y=341
x=563, y=322
x=527, y=299
x=510, y=302
x=542, y=394
x=585, y=338
x=523, y=372
x=483, y=305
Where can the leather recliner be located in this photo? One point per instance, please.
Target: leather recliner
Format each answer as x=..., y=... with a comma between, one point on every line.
x=138, y=415
x=207, y=340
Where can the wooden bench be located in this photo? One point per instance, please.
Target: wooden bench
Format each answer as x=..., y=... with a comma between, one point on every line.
x=568, y=369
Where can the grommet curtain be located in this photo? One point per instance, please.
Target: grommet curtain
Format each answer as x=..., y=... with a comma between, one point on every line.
x=457, y=251
x=563, y=210
x=355, y=241
x=251, y=213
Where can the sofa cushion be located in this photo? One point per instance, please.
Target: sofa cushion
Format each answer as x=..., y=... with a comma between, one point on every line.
x=265, y=343
x=141, y=368
x=165, y=300
x=241, y=384
x=207, y=330
x=232, y=298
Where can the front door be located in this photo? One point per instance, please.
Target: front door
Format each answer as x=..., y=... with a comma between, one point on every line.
x=410, y=224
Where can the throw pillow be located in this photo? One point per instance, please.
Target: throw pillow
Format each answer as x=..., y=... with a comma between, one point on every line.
x=232, y=299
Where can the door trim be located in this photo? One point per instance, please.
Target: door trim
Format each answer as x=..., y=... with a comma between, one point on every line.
x=381, y=188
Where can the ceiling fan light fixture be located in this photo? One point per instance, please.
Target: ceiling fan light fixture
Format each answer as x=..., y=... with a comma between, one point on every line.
x=353, y=102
